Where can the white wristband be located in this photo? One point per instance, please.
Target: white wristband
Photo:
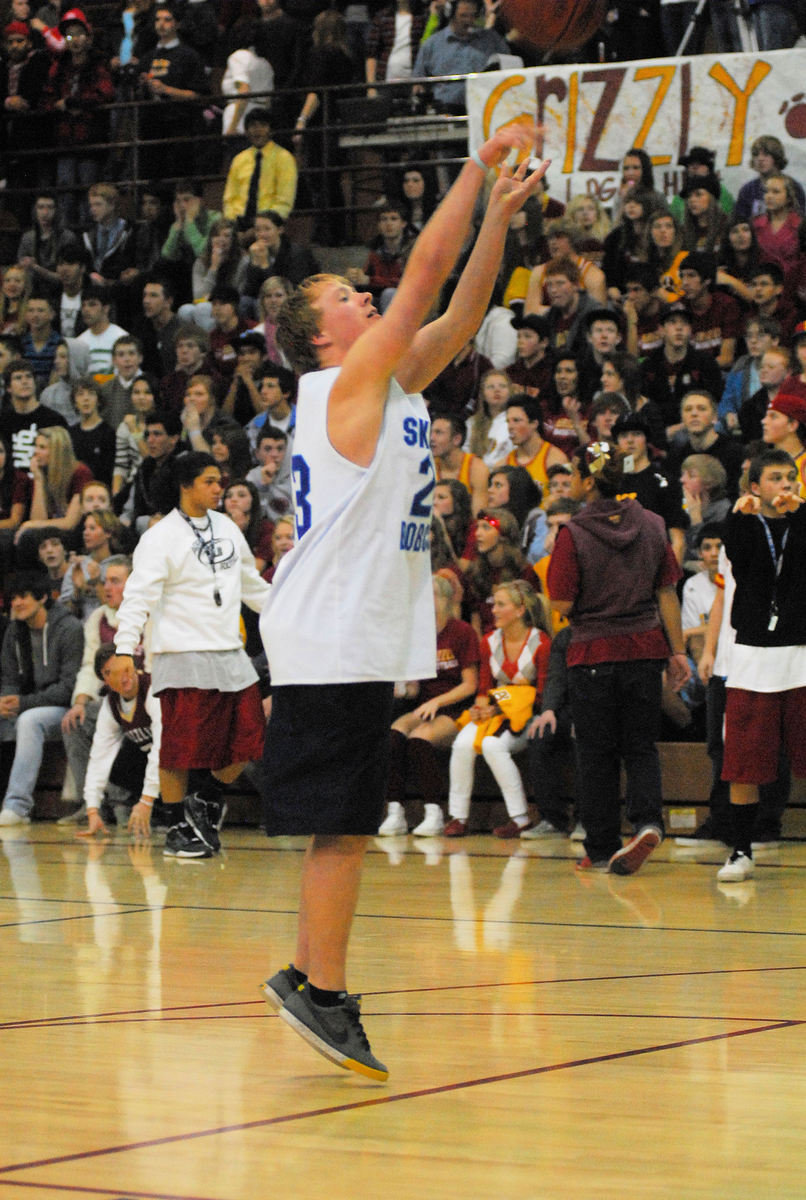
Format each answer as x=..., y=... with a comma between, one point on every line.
x=479, y=161
x=148, y=803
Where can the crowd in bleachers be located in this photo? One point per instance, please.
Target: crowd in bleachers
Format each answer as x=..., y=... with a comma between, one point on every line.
x=675, y=329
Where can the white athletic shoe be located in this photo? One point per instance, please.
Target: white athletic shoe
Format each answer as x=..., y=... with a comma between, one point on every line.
x=9, y=817
x=738, y=868
x=432, y=823
x=395, y=822
x=544, y=829
x=578, y=833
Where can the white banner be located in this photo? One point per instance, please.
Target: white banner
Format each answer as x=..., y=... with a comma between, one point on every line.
x=594, y=113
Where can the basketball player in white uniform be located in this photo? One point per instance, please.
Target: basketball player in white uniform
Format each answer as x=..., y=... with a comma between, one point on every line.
x=351, y=609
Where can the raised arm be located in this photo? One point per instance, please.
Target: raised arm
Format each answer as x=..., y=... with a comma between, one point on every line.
x=359, y=394
x=437, y=344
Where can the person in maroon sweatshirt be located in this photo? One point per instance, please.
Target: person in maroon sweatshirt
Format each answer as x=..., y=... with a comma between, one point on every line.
x=613, y=574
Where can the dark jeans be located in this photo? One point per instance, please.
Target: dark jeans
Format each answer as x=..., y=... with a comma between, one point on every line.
x=549, y=757
x=616, y=708
x=773, y=797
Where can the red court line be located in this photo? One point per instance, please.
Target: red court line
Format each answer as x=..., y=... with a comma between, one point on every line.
x=85, y=1018
x=418, y=1094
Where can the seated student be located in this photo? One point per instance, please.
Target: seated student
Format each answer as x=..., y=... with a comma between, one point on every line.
x=78, y=723
x=676, y=368
x=40, y=657
x=58, y=480
x=130, y=435
x=448, y=433
x=199, y=412
x=767, y=156
x=704, y=485
x=58, y=394
x=563, y=240
x=715, y=317
x=93, y=438
x=127, y=361
x=129, y=718
x=189, y=234
x=274, y=493
x=52, y=554
x=602, y=337
x=769, y=300
x=431, y=725
x=760, y=334
x=776, y=364
x=699, y=414
x=606, y=409
x=531, y=371
x=559, y=481
x=699, y=592
x=514, y=489
x=282, y=540
x=642, y=310
x=778, y=228
x=567, y=307
x=383, y=269
x=621, y=374
x=242, y=399
x=40, y=338
x=100, y=334
x=784, y=428
x=765, y=683
x=191, y=348
x=241, y=502
x=273, y=294
x=162, y=433
x=565, y=410
x=108, y=242
x=514, y=658
x=452, y=506
x=649, y=485
x=82, y=586
x=230, y=448
x=276, y=391
x=795, y=384
x=458, y=386
x=220, y=261
x=227, y=328
x=530, y=448
x=273, y=253
x=498, y=559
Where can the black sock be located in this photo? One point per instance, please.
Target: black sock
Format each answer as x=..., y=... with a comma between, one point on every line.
x=211, y=790
x=324, y=998
x=299, y=976
x=744, y=821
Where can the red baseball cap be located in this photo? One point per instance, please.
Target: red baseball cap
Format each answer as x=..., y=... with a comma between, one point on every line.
x=74, y=16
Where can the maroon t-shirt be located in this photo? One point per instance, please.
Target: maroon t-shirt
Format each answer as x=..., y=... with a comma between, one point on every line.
x=722, y=319
x=457, y=649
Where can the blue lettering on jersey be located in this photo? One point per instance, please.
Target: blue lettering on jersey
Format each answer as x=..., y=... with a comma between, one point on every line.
x=416, y=432
x=414, y=536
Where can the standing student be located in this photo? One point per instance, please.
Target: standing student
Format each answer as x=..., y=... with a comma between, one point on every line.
x=361, y=462
x=765, y=539
x=191, y=572
x=613, y=573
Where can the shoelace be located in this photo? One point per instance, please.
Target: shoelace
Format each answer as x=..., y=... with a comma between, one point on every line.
x=352, y=1006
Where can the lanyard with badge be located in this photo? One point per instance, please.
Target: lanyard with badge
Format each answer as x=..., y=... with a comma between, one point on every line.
x=777, y=560
x=205, y=548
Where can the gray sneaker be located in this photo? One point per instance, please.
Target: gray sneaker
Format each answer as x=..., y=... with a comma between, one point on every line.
x=280, y=986
x=77, y=817
x=202, y=816
x=543, y=829
x=337, y=1033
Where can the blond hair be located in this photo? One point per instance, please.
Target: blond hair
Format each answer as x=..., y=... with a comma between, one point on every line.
x=298, y=321
x=60, y=470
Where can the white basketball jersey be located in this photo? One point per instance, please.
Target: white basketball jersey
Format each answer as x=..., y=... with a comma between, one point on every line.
x=353, y=601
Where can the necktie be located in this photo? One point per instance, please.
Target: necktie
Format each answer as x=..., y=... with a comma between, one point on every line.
x=254, y=184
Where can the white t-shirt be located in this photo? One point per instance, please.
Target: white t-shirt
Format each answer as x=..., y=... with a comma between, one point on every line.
x=244, y=66
x=100, y=348
x=699, y=593
x=399, y=63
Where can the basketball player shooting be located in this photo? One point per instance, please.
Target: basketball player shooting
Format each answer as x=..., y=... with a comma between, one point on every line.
x=351, y=608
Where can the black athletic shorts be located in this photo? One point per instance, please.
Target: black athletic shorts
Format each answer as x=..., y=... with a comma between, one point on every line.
x=325, y=758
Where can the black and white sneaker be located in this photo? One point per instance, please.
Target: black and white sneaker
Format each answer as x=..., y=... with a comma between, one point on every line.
x=181, y=841
x=203, y=816
x=337, y=1033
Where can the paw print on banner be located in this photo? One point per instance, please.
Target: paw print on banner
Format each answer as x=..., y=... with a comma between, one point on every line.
x=795, y=120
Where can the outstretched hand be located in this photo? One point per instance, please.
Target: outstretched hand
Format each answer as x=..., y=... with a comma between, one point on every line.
x=512, y=188
x=511, y=137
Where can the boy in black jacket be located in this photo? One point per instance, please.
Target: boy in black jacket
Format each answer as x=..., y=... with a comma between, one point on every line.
x=765, y=539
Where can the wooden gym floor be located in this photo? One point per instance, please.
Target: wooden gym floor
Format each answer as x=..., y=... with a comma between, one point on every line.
x=549, y=1035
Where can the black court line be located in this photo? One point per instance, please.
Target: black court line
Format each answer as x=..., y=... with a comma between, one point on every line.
x=418, y=1094
x=86, y=1018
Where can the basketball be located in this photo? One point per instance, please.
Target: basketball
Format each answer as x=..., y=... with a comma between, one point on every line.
x=554, y=24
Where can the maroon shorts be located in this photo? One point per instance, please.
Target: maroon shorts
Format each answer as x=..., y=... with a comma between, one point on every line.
x=756, y=725
x=207, y=728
